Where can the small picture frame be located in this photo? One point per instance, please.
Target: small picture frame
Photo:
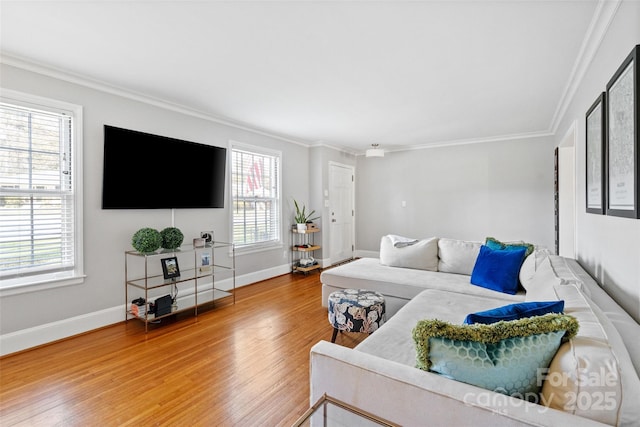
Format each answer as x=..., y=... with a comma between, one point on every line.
x=205, y=261
x=170, y=268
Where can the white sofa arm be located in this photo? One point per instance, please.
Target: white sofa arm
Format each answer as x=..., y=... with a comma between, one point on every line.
x=411, y=397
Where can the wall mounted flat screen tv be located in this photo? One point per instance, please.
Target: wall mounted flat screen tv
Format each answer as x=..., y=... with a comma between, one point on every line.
x=144, y=171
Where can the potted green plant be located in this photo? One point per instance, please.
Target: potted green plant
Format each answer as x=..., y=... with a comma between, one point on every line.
x=146, y=240
x=302, y=217
x=171, y=237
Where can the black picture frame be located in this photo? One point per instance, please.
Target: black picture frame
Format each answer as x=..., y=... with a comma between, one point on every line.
x=170, y=267
x=595, y=173
x=622, y=139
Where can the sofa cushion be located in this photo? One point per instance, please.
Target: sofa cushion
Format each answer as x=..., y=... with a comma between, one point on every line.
x=498, y=269
x=504, y=357
x=405, y=283
x=422, y=255
x=515, y=312
x=457, y=256
x=497, y=244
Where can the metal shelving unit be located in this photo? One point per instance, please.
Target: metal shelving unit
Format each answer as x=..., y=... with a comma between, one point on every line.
x=201, y=274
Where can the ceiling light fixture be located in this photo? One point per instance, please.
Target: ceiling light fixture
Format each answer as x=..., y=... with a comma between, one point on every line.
x=375, y=151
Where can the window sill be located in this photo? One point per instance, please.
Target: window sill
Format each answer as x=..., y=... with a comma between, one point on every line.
x=42, y=282
x=250, y=249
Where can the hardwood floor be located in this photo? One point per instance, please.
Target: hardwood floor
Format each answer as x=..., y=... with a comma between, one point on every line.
x=239, y=365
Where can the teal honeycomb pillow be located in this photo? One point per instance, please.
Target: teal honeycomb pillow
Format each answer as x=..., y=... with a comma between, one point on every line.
x=497, y=244
x=504, y=357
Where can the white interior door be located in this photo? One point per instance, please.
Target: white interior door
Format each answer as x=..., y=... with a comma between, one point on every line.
x=341, y=212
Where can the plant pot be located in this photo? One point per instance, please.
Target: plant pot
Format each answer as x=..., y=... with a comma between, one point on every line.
x=301, y=227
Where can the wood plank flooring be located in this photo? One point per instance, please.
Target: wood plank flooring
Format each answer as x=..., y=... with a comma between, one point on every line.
x=238, y=365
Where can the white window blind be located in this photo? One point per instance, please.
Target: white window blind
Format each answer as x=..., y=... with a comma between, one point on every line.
x=255, y=184
x=36, y=192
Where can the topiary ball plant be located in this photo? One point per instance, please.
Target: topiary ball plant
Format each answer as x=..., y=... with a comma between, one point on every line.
x=171, y=237
x=146, y=240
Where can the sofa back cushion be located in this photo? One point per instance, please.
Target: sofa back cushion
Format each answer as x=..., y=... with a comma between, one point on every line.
x=542, y=285
x=422, y=255
x=457, y=256
x=566, y=274
x=592, y=375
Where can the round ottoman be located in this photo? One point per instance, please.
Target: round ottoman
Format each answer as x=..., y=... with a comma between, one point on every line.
x=355, y=310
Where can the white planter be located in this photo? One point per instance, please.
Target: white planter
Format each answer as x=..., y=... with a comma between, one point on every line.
x=302, y=227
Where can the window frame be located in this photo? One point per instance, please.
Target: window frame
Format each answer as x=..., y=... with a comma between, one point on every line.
x=49, y=280
x=260, y=246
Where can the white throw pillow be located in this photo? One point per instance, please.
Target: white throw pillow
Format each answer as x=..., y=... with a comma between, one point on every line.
x=531, y=265
x=422, y=255
x=457, y=256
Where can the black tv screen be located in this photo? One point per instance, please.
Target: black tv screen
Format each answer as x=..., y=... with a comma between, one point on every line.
x=144, y=171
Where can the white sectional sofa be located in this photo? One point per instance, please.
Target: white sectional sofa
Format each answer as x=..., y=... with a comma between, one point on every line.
x=592, y=380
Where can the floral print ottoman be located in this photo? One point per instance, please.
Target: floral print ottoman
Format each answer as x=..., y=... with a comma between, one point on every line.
x=356, y=310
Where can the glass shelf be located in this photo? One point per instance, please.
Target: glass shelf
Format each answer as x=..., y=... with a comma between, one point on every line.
x=184, y=304
x=199, y=270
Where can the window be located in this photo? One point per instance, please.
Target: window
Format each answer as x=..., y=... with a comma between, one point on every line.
x=40, y=206
x=255, y=187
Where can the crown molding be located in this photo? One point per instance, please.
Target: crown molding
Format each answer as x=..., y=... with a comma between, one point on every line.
x=483, y=140
x=346, y=150
x=602, y=18
x=101, y=86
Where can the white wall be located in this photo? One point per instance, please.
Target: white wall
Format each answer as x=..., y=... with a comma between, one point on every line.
x=608, y=247
x=107, y=233
x=501, y=189
x=566, y=189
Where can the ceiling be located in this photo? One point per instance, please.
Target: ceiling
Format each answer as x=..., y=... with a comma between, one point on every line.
x=348, y=74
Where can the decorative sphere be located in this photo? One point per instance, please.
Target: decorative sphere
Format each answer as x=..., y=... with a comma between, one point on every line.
x=146, y=240
x=171, y=237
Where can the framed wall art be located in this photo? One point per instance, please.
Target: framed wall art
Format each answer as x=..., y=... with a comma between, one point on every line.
x=595, y=170
x=622, y=139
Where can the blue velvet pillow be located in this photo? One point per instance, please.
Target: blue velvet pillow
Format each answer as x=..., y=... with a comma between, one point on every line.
x=498, y=269
x=515, y=311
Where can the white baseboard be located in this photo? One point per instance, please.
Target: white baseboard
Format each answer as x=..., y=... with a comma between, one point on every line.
x=49, y=332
